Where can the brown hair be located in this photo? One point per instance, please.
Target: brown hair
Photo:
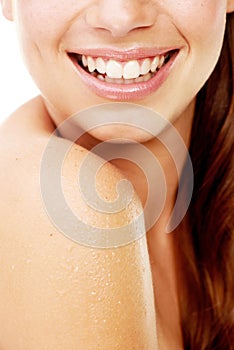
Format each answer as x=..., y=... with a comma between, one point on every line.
x=206, y=247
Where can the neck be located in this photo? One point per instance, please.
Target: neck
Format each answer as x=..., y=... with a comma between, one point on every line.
x=158, y=167
x=161, y=245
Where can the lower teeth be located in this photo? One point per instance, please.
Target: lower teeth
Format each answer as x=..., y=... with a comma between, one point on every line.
x=141, y=79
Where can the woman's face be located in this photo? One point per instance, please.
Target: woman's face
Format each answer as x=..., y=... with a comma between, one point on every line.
x=125, y=43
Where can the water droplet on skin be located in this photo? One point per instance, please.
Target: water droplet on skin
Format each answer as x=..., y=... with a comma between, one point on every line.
x=91, y=273
x=12, y=267
x=61, y=292
x=76, y=269
x=70, y=248
x=94, y=253
x=93, y=293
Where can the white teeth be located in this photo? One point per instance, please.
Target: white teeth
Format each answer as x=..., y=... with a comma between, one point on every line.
x=139, y=79
x=123, y=73
x=84, y=61
x=124, y=81
x=131, y=70
x=154, y=64
x=91, y=64
x=114, y=69
x=145, y=67
x=109, y=80
x=101, y=65
x=161, y=61
x=119, y=81
x=100, y=77
x=147, y=77
x=129, y=81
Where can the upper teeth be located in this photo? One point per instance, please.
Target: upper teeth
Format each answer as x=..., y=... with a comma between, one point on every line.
x=127, y=70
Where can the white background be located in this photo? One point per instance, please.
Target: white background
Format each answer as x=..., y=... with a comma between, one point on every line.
x=16, y=86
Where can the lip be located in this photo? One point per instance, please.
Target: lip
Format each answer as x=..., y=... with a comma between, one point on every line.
x=121, y=92
x=125, y=55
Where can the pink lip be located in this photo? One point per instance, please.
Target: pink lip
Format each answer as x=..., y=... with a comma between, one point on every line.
x=121, y=92
x=126, y=55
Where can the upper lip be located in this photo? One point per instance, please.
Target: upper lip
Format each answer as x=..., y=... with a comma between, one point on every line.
x=123, y=55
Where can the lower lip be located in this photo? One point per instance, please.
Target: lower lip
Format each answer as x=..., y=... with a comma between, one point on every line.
x=128, y=92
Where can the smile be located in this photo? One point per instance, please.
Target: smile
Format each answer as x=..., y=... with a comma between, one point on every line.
x=120, y=78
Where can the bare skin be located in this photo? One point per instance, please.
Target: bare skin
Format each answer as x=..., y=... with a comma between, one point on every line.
x=57, y=294
x=46, y=277
x=49, y=283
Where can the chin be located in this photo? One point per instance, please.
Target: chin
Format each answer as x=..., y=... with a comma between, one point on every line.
x=121, y=134
x=120, y=122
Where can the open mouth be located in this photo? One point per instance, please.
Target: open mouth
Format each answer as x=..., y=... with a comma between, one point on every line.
x=123, y=72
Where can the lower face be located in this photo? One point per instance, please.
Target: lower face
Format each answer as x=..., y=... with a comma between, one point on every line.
x=154, y=54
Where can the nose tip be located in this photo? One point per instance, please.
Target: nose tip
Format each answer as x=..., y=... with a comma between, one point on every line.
x=120, y=27
x=119, y=17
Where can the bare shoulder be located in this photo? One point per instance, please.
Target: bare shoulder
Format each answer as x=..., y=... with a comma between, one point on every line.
x=22, y=136
x=31, y=153
x=49, y=281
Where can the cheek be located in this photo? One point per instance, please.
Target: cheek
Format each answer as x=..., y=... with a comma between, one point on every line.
x=50, y=16
x=198, y=20
x=37, y=20
x=202, y=24
x=40, y=26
